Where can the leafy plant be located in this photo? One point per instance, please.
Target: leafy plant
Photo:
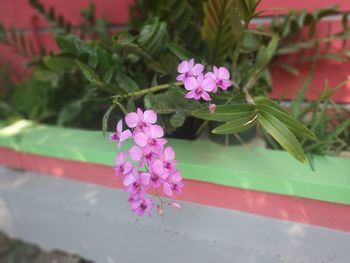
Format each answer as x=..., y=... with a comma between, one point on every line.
x=93, y=74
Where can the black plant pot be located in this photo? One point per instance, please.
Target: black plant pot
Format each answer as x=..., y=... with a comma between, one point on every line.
x=188, y=130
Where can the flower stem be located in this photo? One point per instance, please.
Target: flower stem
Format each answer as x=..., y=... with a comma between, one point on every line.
x=146, y=91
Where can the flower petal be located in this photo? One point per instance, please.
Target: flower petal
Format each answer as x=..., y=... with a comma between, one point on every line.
x=181, y=77
x=120, y=158
x=197, y=69
x=141, y=139
x=224, y=73
x=131, y=119
x=139, y=113
x=208, y=84
x=216, y=72
x=226, y=84
x=176, y=177
x=190, y=95
x=183, y=67
x=156, y=131
x=200, y=79
x=128, y=168
x=119, y=126
x=157, y=167
x=135, y=153
x=190, y=64
x=125, y=135
x=113, y=137
x=145, y=178
x=129, y=179
x=167, y=189
x=175, y=205
x=210, y=75
x=206, y=96
x=169, y=153
x=190, y=83
x=150, y=116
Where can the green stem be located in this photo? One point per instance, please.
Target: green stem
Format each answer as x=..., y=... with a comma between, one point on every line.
x=146, y=91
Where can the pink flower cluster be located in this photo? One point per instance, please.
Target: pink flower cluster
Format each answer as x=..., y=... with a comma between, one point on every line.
x=148, y=163
x=199, y=85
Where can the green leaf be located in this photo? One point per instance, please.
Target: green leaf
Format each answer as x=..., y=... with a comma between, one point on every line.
x=282, y=135
x=295, y=126
x=89, y=74
x=126, y=83
x=296, y=103
x=178, y=119
x=180, y=52
x=153, y=36
x=217, y=30
x=72, y=44
x=251, y=42
x=226, y=112
x=69, y=112
x=59, y=64
x=106, y=118
x=123, y=38
x=268, y=52
x=45, y=75
x=332, y=135
x=237, y=125
x=66, y=44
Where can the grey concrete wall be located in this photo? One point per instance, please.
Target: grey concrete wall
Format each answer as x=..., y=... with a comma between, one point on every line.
x=96, y=223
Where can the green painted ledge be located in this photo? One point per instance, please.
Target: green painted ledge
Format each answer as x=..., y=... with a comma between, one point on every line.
x=249, y=168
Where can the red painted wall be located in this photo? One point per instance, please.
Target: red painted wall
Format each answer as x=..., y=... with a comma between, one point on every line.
x=19, y=14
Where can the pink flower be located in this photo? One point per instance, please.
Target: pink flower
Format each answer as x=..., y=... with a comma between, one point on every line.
x=167, y=157
x=155, y=166
x=140, y=120
x=141, y=206
x=188, y=69
x=151, y=138
x=122, y=167
x=135, y=182
x=212, y=107
x=221, y=76
x=142, y=155
x=175, y=205
x=199, y=87
x=174, y=184
x=157, y=175
x=120, y=135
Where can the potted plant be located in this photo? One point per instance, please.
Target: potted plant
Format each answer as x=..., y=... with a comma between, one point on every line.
x=206, y=63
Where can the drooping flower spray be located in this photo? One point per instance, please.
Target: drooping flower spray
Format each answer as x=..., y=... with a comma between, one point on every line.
x=148, y=164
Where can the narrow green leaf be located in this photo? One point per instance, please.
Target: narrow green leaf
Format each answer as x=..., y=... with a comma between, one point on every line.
x=295, y=126
x=126, y=83
x=236, y=126
x=296, y=103
x=226, y=112
x=282, y=135
x=300, y=130
x=180, y=52
x=59, y=64
x=66, y=44
x=89, y=74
